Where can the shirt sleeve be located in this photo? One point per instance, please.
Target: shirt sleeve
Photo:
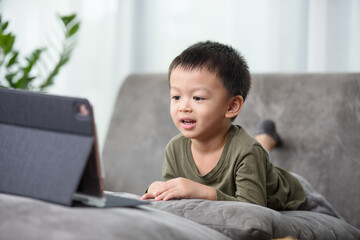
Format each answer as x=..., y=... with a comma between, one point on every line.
x=250, y=179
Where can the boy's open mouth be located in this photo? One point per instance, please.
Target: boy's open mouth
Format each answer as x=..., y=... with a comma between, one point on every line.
x=188, y=121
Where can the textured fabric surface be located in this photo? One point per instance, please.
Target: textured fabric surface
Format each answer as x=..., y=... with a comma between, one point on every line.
x=43, y=111
x=315, y=202
x=317, y=116
x=248, y=221
x=44, y=145
x=24, y=218
x=32, y=162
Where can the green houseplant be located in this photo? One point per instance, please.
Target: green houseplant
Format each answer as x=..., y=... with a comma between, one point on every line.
x=33, y=73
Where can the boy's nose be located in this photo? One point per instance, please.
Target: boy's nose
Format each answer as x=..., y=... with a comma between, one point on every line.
x=185, y=107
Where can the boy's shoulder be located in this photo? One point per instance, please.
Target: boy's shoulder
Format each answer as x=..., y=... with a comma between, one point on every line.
x=178, y=140
x=242, y=139
x=242, y=145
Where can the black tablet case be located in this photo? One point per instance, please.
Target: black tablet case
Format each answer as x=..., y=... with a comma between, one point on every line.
x=45, y=146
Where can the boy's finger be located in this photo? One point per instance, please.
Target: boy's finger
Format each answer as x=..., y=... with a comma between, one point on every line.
x=159, y=197
x=147, y=196
x=161, y=189
x=169, y=196
x=162, y=196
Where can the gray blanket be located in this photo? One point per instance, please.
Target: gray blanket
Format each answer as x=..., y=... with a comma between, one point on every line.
x=317, y=220
x=246, y=221
x=25, y=218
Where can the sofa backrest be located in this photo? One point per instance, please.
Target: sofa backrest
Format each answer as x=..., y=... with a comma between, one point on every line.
x=317, y=116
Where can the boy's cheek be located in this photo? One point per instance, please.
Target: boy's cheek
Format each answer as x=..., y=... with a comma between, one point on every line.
x=173, y=113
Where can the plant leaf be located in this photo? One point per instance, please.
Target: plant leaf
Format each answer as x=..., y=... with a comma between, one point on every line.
x=13, y=59
x=67, y=19
x=25, y=79
x=7, y=42
x=16, y=74
x=23, y=82
x=4, y=26
x=9, y=77
x=73, y=29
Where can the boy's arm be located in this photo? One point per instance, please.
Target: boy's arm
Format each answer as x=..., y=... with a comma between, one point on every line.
x=251, y=178
x=180, y=188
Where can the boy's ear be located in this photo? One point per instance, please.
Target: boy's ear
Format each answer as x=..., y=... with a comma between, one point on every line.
x=235, y=105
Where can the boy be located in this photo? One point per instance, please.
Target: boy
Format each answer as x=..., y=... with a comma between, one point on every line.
x=211, y=158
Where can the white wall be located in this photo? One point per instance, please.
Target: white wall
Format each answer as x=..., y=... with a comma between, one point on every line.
x=118, y=37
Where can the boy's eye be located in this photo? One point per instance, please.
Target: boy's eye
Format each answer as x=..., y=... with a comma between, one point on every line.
x=198, y=98
x=175, y=97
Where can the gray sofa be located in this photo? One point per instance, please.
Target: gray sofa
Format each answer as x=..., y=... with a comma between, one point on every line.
x=318, y=117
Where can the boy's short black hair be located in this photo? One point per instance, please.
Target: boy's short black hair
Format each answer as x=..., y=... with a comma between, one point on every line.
x=225, y=61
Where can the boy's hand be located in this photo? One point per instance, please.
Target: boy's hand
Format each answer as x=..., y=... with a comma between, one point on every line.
x=179, y=188
x=151, y=189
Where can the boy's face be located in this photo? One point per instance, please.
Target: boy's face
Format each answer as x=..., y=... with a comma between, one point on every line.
x=199, y=103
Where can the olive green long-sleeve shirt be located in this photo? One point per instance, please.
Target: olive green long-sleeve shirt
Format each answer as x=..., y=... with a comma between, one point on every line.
x=243, y=173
